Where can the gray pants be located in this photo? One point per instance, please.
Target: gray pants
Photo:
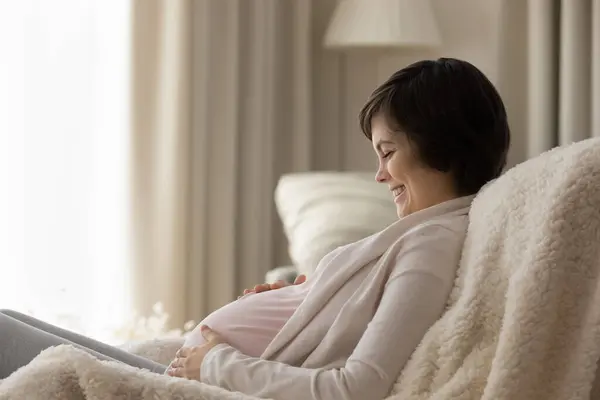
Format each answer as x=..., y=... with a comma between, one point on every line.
x=22, y=338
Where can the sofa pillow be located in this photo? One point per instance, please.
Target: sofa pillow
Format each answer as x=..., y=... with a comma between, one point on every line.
x=321, y=211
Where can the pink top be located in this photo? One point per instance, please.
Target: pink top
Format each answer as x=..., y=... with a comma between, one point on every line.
x=250, y=323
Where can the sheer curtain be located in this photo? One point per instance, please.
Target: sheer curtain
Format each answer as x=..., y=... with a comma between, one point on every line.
x=223, y=106
x=160, y=154
x=191, y=125
x=64, y=103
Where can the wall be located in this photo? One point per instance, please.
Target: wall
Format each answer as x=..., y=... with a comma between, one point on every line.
x=478, y=31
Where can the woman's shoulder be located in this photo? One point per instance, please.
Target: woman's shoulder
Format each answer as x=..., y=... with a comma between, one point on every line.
x=444, y=226
x=433, y=247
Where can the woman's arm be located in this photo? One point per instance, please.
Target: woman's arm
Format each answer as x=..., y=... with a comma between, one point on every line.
x=413, y=299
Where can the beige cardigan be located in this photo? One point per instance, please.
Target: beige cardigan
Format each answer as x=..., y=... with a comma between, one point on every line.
x=368, y=307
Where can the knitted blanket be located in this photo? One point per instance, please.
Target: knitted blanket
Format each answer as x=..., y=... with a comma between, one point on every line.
x=523, y=321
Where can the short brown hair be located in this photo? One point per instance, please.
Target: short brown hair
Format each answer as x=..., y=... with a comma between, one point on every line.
x=453, y=115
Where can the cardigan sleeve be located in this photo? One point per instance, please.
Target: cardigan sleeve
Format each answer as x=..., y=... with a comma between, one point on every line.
x=414, y=298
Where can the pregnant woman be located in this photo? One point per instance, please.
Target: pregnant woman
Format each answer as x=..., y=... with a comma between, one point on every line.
x=439, y=131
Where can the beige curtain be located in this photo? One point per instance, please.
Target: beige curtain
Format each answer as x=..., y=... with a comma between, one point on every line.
x=563, y=72
x=160, y=141
x=221, y=108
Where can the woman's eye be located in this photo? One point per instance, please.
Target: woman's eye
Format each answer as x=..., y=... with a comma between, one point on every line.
x=386, y=155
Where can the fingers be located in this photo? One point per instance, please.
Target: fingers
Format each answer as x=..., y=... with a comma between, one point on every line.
x=255, y=289
x=278, y=285
x=209, y=334
x=300, y=279
x=177, y=363
x=262, y=287
x=183, y=352
x=178, y=372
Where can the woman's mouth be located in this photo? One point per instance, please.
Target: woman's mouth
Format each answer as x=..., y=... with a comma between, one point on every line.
x=398, y=193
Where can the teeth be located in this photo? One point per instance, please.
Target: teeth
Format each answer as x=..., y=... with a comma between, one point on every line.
x=398, y=190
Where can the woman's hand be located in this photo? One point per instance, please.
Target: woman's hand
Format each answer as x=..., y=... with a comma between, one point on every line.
x=188, y=360
x=275, y=285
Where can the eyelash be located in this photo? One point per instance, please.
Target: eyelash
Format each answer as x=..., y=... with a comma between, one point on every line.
x=386, y=155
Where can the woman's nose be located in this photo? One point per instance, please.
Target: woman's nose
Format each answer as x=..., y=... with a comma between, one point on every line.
x=381, y=175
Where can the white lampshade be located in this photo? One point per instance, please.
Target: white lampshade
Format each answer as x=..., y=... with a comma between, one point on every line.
x=383, y=23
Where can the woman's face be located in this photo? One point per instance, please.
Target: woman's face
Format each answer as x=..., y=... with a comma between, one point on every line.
x=413, y=185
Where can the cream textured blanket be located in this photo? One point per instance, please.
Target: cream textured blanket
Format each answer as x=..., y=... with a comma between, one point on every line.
x=523, y=320
x=67, y=373
x=524, y=317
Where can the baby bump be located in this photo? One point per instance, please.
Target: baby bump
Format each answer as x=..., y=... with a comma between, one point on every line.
x=248, y=324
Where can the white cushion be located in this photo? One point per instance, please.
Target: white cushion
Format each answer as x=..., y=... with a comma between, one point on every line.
x=321, y=211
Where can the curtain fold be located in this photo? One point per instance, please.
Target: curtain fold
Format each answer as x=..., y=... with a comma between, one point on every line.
x=160, y=142
x=596, y=67
x=563, y=67
x=574, y=71
x=221, y=105
x=542, y=76
x=251, y=123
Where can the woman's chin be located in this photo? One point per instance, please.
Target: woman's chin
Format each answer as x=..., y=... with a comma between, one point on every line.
x=402, y=201
x=401, y=210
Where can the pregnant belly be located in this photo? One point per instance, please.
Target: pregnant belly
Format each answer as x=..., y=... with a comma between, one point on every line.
x=250, y=323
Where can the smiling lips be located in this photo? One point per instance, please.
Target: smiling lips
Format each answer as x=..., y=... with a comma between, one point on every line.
x=397, y=192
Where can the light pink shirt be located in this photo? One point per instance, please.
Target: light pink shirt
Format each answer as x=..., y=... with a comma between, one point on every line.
x=250, y=323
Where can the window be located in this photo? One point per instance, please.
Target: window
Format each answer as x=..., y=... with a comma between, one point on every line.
x=63, y=161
